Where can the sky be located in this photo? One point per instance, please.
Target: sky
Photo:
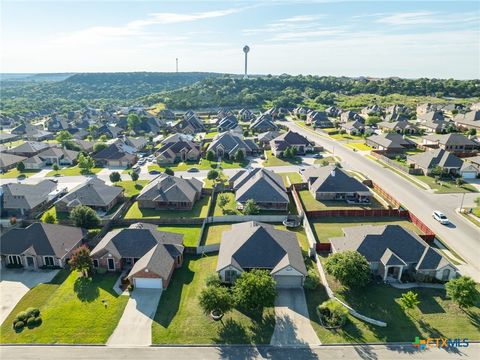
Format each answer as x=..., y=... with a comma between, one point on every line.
x=414, y=39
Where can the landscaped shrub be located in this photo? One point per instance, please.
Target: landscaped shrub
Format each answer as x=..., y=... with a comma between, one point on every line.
x=332, y=313
x=32, y=312
x=213, y=280
x=38, y=321
x=19, y=325
x=22, y=316
x=31, y=322
x=312, y=280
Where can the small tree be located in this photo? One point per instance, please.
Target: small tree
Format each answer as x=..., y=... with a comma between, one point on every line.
x=254, y=290
x=81, y=260
x=99, y=147
x=287, y=153
x=63, y=136
x=169, y=171
x=240, y=156
x=332, y=313
x=212, y=175
x=103, y=138
x=49, y=218
x=222, y=201
x=55, y=167
x=312, y=280
x=84, y=217
x=459, y=182
x=409, y=300
x=85, y=163
x=215, y=299
x=21, y=166
x=115, y=177
x=251, y=208
x=134, y=176
x=462, y=291
x=294, y=151
x=350, y=268
x=210, y=155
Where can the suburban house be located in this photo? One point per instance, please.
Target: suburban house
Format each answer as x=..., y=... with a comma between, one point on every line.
x=252, y=245
x=110, y=131
x=390, y=142
x=371, y=110
x=470, y=168
x=56, y=123
x=398, y=108
x=395, y=116
x=117, y=154
x=40, y=245
x=6, y=137
x=177, y=147
x=429, y=160
x=455, y=143
x=9, y=161
x=290, y=139
x=333, y=111
x=228, y=144
x=229, y=122
x=470, y=120
x=148, y=256
x=348, y=116
x=28, y=148
x=166, y=114
x=301, y=110
x=318, y=119
x=93, y=193
x=190, y=124
x=439, y=127
x=424, y=108
x=263, y=123
x=84, y=145
x=264, y=139
x=170, y=193
x=23, y=199
x=432, y=116
x=331, y=183
x=138, y=143
x=399, y=127
x=393, y=250
x=354, y=127
x=59, y=156
x=246, y=115
x=263, y=186
x=31, y=132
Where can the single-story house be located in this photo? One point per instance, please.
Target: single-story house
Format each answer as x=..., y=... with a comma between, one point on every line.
x=393, y=250
x=246, y=115
x=439, y=127
x=291, y=139
x=470, y=120
x=166, y=114
x=9, y=161
x=429, y=160
x=432, y=116
x=353, y=127
x=349, y=115
x=455, y=143
x=318, y=119
x=371, y=110
x=117, y=154
x=263, y=123
x=190, y=124
x=395, y=116
x=469, y=170
x=261, y=185
x=400, y=127
x=264, y=139
x=390, y=142
x=57, y=155
x=178, y=147
x=147, y=255
x=228, y=144
x=170, y=193
x=252, y=245
x=333, y=111
x=6, y=137
x=40, y=245
x=28, y=148
x=23, y=199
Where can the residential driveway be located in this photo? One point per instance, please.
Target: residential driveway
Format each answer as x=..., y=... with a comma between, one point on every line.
x=135, y=325
x=14, y=283
x=292, y=323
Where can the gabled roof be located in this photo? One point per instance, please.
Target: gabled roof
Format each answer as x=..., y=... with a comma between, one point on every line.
x=43, y=239
x=390, y=258
x=288, y=139
x=391, y=140
x=261, y=185
x=94, y=192
x=451, y=139
x=256, y=245
x=26, y=196
x=230, y=141
x=29, y=147
x=7, y=160
x=59, y=153
x=437, y=157
x=432, y=116
x=166, y=188
x=116, y=151
x=268, y=136
x=332, y=179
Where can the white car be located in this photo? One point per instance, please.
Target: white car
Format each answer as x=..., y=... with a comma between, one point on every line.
x=440, y=217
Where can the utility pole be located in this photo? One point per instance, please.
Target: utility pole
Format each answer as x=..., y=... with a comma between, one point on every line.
x=461, y=204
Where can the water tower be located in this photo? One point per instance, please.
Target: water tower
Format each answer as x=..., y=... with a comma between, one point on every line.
x=246, y=49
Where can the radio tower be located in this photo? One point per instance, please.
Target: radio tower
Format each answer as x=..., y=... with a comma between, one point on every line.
x=246, y=49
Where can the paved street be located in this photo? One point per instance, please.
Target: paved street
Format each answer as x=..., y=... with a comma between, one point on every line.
x=462, y=236
x=370, y=352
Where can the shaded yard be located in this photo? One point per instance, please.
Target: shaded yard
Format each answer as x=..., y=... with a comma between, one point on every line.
x=73, y=310
x=180, y=320
x=200, y=210
x=311, y=204
x=132, y=188
x=191, y=233
x=213, y=233
x=58, y=216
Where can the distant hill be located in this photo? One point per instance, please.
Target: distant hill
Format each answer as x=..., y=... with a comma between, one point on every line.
x=35, y=77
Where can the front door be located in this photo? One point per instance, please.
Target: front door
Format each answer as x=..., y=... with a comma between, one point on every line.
x=446, y=274
x=111, y=264
x=30, y=262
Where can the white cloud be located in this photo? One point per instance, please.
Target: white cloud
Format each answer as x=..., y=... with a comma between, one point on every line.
x=424, y=18
x=284, y=36
x=302, y=18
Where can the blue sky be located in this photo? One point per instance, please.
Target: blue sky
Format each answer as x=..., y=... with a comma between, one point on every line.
x=351, y=38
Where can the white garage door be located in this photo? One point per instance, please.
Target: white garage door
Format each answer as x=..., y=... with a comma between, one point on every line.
x=148, y=283
x=288, y=281
x=469, y=175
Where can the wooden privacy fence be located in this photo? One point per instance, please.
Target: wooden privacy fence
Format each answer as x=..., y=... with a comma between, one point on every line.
x=358, y=213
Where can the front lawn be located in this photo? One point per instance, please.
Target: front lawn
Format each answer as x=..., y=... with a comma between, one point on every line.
x=132, y=188
x=326, y=228
x=74, y=310
x=231, y=207
x=72, y=171
x=345, y=137
x=445, y=186
x=294, y=177
x=14, y=173
x=180, y=320
x=328, y=159
x=213, y=233
x=272, y=160
x=311, y=204
x=359, y=146
x=191, y=233
x=58, y=216
x=203, y=164
x=200, y=210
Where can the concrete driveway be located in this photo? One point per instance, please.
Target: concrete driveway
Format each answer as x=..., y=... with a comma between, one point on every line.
x=135, y=325
x=14, y=283
x=292, y=323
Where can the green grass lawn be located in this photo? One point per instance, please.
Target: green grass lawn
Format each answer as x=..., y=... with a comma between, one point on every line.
x=211, y=135
x=180, y=320
x=311, y=204
x=294, y=177
x=14, y=173
x=272, y=160
x=346, y=137
x=200, y=210
x=231, y=207
x=325, y=228
x=359, y=146
x=213, y=233
x=58, y=216
x=132, y=188
x=301, y=236
x=72, y=171
x=435, y=316
x=72, y=310
x=328, y=159
x=203, y=164
x=13, y=144
x=446, y=186
x=476, y=211
x=191, y=233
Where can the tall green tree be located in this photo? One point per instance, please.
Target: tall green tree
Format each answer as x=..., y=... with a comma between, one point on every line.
x=81, y=260
x=254, y=290
x=215, y=299
x=115, y=177
x=251, y=207
x=350, y=268
x=462, y=290
x=85, y=163
x=84, y=217
x=21, y=166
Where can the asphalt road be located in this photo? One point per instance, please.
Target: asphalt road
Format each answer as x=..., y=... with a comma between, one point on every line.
x=462, y=236
x=371, y=352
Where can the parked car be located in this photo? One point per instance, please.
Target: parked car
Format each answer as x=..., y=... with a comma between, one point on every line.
x=440, y=217
x=154, y=172
x=141, y=162
x=318, y=156
x=136, y=169
x=262, y=157
x=192, y=170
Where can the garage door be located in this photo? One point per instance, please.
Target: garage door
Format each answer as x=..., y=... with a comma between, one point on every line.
x=469, y=175
x=288, y=281
x=148, y=283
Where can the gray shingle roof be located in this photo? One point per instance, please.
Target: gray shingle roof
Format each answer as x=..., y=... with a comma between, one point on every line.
x=332, y=179
x=29, y=147
x=230, y=141
x=391, y=141
x=437, y=157
x=94, y=192
x=167, y=188
x=7, y=160
x=261, y=185
x=26, y=196
x=451, y=139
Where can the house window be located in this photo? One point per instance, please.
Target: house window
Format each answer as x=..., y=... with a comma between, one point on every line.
x=49, y=261
x=111, y=264
x=230, y=275
x=14, y=260
x=95, y=263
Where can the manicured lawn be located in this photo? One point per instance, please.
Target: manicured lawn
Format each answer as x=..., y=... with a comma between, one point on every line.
x=213, y=233
x=58, y=216
x=328, y=159
x=476, y=211
x=345, y=137
x=325, y=228
x=445, y=186
x=359, y=146
x=132, y=188
x=211, y=135
x=311, y=204
x=294, y=177
x=272, y=160
x=300, y=233
x=229, y=209
x=180, y=320
x=13, y=144
x=191, y=233
x=203, y=164
x=73, y=310
x=72, y=171
x=14, y=173
x=200, y=210
x=435, y=316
